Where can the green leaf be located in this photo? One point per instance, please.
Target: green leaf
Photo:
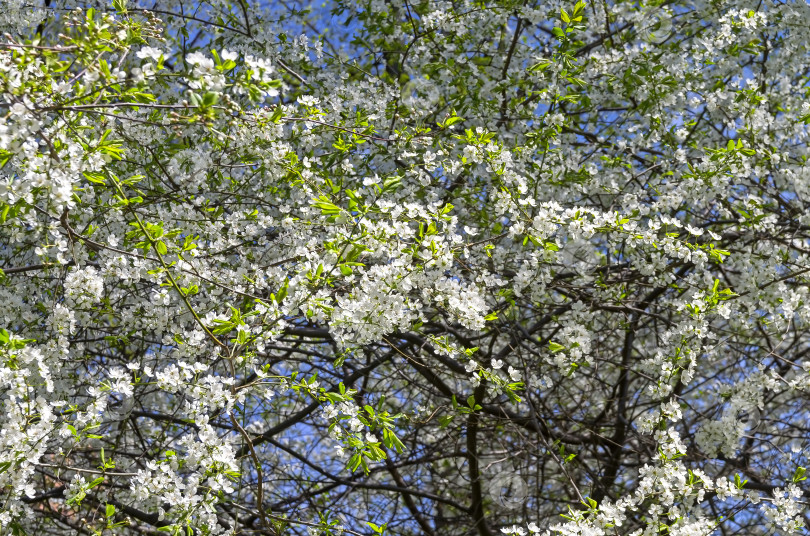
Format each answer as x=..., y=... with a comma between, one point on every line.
x=4, y=467
x=5, y=156
x=542, y=66
x=327, y=207
x=210, y=99
x=94, y=177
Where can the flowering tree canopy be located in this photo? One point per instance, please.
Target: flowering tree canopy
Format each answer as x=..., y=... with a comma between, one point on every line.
x=435, y=267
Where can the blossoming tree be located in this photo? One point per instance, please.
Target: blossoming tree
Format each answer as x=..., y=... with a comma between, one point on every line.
x=404, y=267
